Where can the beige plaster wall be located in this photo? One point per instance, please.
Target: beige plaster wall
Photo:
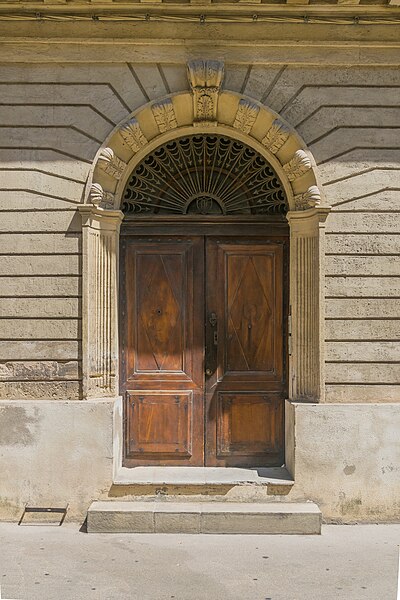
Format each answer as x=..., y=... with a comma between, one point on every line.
x=54, y=453
x=53, y=119
x=346, y=458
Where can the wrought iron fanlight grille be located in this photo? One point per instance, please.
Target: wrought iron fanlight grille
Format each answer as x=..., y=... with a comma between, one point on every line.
x=204, y=175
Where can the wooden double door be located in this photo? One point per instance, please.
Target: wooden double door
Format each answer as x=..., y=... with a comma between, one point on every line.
x=203, y=349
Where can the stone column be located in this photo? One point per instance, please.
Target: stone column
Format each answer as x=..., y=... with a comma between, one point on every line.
x=100, y=229
x=306, y=373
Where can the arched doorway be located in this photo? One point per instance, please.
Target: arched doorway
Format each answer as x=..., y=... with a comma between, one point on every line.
x=206, y=109
x=203, y=306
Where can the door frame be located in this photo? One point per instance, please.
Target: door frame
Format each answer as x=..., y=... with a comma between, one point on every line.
x=269, y=229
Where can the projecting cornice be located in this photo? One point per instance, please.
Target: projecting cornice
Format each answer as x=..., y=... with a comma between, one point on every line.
x=244, y=32
x=200, y=10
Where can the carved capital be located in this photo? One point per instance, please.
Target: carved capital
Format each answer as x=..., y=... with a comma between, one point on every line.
x=111, y=164
x=133, y=136
x=309, y=199
x=164, y=115
x=246, y=115
x=100, y=197
x=205, y=79
x=276, y=136
x=297, y=166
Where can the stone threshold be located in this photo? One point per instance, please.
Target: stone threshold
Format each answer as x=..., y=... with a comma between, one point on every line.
x=193, y=476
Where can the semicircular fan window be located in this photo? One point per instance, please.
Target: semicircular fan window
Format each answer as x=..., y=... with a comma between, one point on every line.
x=204, y=175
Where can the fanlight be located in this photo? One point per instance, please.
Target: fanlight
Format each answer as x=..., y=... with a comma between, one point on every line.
x=204, y=175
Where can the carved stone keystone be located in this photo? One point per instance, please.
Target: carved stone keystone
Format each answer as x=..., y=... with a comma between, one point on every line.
x=205, y=79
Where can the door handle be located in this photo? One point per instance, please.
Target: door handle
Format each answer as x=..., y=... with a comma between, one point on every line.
x=211, y=344
x=213, y=320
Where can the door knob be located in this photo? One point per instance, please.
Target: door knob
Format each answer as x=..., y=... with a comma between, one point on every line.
x=208, y=372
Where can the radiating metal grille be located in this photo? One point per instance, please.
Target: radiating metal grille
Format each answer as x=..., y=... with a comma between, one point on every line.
x=204, y=175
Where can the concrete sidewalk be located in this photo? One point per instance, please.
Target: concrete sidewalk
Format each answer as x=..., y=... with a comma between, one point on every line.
x=56, y=563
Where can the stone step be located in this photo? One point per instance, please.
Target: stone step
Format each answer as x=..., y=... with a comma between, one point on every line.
x=204, y=517
x=202, y=481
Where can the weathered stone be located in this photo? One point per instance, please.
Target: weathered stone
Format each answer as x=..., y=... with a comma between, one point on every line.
x=365, y=351
x=14, y=200
x=362, y=373
x=46, y=350
x=353, y=93
x=362, y=286
x=40, y=265
x=362, y=223
x=43, y=183
x=362, y=329
x=362, y=308
x=362, y=265
x=25, y=329
x=60, y=220
x=361, y=393
x=40, y=243
x=37, y=390
x=341, y=243
x=327, y=118
x=204, y=517
x=40, y=286
x=40, y=307
x=40, y=370
x=336, y=142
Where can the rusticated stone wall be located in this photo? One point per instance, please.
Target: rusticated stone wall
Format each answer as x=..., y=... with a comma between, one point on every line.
x=55, y=117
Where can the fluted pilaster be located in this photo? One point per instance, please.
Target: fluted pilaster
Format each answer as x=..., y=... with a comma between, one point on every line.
x=100, y=301
x=307, y=303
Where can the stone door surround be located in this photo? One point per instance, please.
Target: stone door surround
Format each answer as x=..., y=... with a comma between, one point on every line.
x=206, y=108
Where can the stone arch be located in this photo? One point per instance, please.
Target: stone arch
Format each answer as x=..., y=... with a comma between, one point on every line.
x=180, y=114
x=205, y=109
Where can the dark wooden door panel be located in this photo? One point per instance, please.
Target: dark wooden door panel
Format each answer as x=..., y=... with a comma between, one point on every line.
x=160, y=312
x=245, y=386
x=162, y=335
x=160, y=424
x=203, y=349
x=249, y=427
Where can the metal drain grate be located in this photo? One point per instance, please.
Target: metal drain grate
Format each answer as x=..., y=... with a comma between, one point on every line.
x=46, y=515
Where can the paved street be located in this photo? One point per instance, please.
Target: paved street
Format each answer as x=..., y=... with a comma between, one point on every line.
x=57, y=563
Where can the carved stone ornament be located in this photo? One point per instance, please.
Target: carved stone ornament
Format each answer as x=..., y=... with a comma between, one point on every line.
x=275, y=137
x=246, y=115
x=111, y=164
x=164, y=115
x=310, y=198
x=100, y=197
x=299, y=165
x=133, y=136
x=205, y=79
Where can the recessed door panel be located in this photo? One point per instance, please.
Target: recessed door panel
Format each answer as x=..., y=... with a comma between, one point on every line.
x=161, y=304
x=160, y=424
x=249, y=424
